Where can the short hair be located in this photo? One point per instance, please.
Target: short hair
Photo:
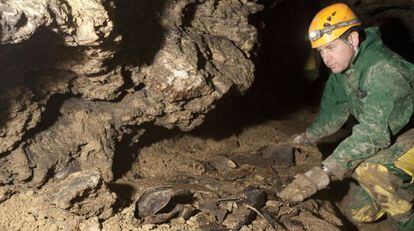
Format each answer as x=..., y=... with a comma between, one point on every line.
x=359, y=29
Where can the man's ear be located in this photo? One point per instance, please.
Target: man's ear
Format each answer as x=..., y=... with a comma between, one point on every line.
x=353, y=38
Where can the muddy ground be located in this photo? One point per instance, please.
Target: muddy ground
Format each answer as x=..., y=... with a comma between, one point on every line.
x=213, y=169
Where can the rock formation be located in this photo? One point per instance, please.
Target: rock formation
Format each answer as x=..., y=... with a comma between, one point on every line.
x=78, y=75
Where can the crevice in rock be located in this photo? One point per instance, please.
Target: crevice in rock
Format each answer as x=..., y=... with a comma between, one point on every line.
x=49, y=116
x=139, y=24
x=22, y=21
x=128, y=85
x=188, y=14
x=201, y=60
x=125, y=154
x=127, y=149
x=124, y=194
x=34, y=62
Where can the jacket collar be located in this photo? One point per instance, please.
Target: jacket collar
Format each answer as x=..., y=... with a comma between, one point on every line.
x=373, y=37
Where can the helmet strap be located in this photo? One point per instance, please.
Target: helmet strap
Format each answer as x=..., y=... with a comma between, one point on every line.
x=345, y=40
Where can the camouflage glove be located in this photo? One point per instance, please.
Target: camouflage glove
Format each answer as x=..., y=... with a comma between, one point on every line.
x=305, y=185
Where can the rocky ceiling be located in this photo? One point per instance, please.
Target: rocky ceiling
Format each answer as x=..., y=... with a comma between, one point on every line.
x=77, y=76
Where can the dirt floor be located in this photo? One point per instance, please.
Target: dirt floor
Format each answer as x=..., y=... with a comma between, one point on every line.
x=209, y=176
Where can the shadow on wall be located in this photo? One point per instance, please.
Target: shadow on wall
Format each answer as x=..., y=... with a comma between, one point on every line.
x=396, y=36
x=139, y=24
x=127, y=149
x=31, y=67
x=280, y=87
x=142, y=37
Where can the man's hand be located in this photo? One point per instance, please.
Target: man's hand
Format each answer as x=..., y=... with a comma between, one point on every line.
x=305, y=185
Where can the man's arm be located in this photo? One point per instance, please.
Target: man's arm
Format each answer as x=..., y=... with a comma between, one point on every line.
x=333, y=114
x=334, y=111
x=384, y=89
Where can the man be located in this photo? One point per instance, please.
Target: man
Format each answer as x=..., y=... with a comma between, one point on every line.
x=374, y=85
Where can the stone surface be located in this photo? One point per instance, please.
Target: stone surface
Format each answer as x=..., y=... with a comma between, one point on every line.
x=82, y=22
x=5, y=193
x=240, y=217
x=78, y=75
x=84, y=194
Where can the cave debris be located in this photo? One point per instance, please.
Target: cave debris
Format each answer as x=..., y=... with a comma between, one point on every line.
x=253, y=197
x=211, y=206
x=239, y=175
x=227, y=198
x=222, y=163
x=84, y=194
x=244, y=215
x=161, y=204
x=152, y=201
x=239, y=218
x=262, y=216
x=163, y=217
x=269, y=156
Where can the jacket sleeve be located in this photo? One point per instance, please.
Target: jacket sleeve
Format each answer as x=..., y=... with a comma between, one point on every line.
x=334, y=111
x=384, y=89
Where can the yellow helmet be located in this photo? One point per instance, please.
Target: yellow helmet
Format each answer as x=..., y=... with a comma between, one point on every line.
x=330, y=23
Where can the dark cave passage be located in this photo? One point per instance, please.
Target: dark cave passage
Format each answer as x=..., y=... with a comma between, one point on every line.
x=282, y=85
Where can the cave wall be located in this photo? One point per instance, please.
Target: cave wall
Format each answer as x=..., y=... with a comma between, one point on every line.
x=396, y=20
x=78, y=75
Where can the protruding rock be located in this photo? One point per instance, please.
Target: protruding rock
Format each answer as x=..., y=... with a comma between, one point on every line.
x=84, y=194
x=240, y=217
x=71, y=85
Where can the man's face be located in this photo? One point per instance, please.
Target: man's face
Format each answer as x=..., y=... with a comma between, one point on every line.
x=337, y=55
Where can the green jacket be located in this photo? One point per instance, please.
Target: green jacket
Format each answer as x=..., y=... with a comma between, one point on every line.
x=377, y=89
